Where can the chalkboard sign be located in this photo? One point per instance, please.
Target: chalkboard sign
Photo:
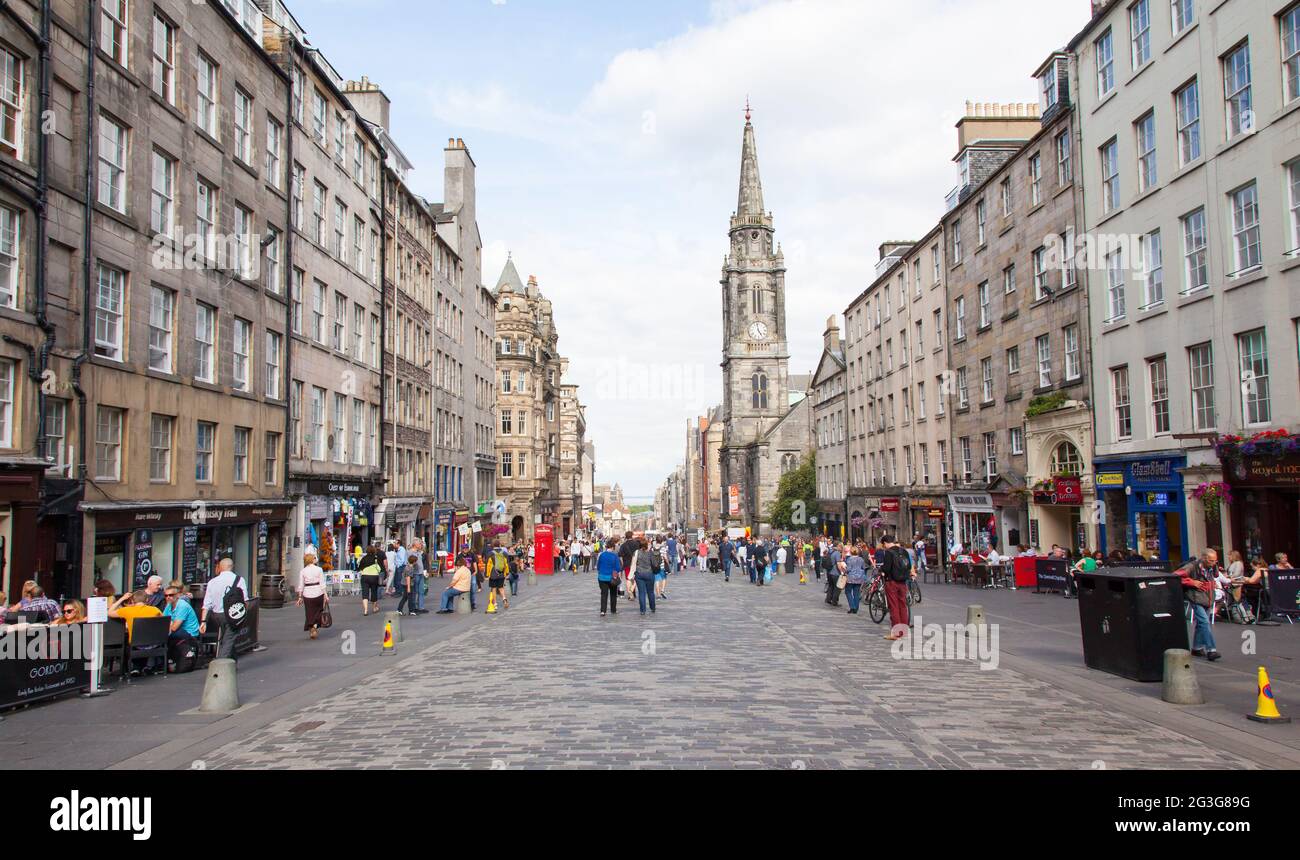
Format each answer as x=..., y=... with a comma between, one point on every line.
x=143, y=557
x=1284, y=591
x=190, y=555
x=1053, y=574
x=25, y=680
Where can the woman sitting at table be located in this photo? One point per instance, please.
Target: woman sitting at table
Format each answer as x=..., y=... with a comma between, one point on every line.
x=74, y=612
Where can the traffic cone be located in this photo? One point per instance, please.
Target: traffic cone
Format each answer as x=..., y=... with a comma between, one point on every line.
x=388, y=639
x=1266, y=711
x=492, y=602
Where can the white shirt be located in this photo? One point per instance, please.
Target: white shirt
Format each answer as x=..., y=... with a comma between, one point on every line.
x=780, y=556
x=311, y=581
x=214, y=599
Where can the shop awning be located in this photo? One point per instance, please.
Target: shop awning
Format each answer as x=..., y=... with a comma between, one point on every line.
x=971, y=503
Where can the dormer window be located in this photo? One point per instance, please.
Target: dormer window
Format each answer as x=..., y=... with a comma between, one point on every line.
x=964, y=166
x=1049, y=91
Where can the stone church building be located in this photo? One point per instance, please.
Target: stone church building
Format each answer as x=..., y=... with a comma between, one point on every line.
x=766, y=411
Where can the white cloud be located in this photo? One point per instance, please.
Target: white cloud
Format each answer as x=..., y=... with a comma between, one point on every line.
x=622, y=209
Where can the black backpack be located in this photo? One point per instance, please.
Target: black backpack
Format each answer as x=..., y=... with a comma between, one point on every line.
x=901, y=569
x=234, y=605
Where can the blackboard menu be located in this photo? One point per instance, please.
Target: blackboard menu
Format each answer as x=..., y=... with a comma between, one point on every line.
x=143, y=557
x=190, y=555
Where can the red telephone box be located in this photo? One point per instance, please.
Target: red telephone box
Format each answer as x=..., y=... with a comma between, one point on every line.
x=544, y=550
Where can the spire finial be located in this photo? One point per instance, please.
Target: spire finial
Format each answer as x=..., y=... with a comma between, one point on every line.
x=748, y=111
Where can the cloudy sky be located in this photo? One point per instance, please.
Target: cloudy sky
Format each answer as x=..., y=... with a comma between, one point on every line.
x=607, y=137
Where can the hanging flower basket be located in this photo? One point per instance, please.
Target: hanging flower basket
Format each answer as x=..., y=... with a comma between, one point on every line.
x=1213, y=495
x=1269, y=444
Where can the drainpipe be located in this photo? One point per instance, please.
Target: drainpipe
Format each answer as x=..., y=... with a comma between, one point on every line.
x=87, y=331
x=40, y=204
x=288, y=258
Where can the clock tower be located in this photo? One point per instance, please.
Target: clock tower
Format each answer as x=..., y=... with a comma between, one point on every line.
x=755, y=355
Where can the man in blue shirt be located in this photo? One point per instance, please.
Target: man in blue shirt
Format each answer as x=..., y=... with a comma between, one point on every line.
x=672, y=553
x=728, y=552
x=183, y=632
x=609, y=568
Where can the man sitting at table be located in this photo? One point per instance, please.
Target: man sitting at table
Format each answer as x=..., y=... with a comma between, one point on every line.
x=39, y=608
x=183, y=632
x=154, y=593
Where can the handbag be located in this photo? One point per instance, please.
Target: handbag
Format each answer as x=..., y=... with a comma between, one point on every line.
x=842, y=581
x=326, y=619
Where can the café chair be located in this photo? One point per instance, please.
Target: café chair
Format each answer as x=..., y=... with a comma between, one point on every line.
x=961, y=572
x=148, y=640
x=114, y=647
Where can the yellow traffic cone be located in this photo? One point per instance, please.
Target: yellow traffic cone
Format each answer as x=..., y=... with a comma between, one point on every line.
x=492, y=602
x=1266, y=711
x=388, y=639
x=803, y=577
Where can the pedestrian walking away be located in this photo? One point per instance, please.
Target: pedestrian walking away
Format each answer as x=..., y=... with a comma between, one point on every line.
x=311, y=593
x=645, y=565
x=225, y=610
x=608, y=569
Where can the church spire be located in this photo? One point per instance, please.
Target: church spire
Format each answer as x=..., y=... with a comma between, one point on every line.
x=750, y=202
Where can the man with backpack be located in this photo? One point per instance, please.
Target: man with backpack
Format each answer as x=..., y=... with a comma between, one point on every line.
x=498, y=568
x=226, y=602
x=896, y=565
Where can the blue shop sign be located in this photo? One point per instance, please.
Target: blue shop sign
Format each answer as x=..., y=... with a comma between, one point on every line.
x=1147, y=473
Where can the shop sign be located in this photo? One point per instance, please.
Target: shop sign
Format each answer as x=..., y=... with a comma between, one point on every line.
x=971, y=503
x=1157, y=500
x=922, y=503
x=935, y=513
x=890, y=506
x=1110, y=479
x=263, y=547
x=143, y=557
x=733, y=500
x=1260, y=471
x=339, y=488
x=1065, y=491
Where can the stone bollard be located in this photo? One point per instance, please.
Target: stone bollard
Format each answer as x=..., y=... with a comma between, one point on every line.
x=220, y=690
x=396, y=621
x=532, y=577
x=1180, y=684
x=975, y=616
x=462, y=603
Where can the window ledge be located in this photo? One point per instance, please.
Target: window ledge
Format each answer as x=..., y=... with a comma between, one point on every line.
x=1182, y=35
x=1250, y=277
x=1010, y=315
x=1145, y=195
x=1111, y=328
x=1069, y=186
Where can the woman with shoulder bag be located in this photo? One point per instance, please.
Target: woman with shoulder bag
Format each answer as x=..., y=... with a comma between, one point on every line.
x=372, y=571
x=312, y=595
x=645, y=564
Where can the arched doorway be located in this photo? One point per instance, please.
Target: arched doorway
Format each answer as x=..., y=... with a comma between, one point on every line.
x=517, y=529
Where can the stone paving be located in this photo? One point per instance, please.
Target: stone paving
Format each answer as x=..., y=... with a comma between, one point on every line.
x=723, y=676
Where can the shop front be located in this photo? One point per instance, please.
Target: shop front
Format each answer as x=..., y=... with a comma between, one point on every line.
x=185, y=541
x=830, y=518
x=1056, y=514
x=399, y=519
x=1144, y=506
x=972, y=520
x=1265, y=507
x=927, y=518
x=20, y=557
x=335, y=516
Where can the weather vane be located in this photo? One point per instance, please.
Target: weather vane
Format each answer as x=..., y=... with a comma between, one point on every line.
x=747, y=109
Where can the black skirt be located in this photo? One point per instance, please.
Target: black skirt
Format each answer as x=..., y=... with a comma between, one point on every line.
x=314, y=606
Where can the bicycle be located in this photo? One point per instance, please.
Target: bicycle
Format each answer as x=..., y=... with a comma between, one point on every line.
x=877, y=607
x=913, y=592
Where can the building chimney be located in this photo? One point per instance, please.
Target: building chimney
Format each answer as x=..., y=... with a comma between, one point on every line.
x=831, y=338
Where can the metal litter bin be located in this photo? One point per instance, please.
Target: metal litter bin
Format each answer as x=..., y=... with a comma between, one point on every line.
x=1128, y=619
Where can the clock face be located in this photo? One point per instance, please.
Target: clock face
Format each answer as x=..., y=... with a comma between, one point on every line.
x=758, y=331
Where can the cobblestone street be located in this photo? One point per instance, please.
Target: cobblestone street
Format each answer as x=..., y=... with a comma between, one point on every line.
x=725, y=675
